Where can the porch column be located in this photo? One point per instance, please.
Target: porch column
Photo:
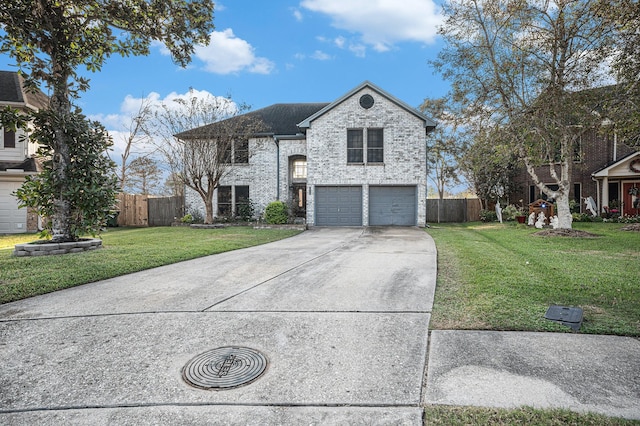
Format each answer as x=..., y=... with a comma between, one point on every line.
x=605, y=193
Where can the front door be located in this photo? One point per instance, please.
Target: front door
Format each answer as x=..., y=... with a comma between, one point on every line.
x=631, y=203
x=299, y=198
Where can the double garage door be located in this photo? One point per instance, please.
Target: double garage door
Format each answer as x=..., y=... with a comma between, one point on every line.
x=388, y=205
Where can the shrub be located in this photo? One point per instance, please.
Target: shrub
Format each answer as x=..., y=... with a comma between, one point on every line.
x=276, y=213
x=510, y=212
x=246, y=210
x=488, y=216
x=187, y=218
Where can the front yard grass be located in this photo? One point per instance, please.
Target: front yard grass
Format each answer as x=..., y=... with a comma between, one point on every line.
x=448, y=415
x=502, y=277
x=125, y=250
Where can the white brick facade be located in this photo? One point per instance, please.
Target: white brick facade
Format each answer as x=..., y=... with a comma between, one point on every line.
x=404, y=150
x=268, y=173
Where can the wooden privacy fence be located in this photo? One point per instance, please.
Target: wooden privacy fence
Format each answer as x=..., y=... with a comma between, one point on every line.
x=453, y=210
x=142, y=210
x=163, y=211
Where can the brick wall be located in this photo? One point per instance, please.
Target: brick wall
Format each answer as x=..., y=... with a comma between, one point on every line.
x=597, y=152
x=404, y=150
x=259, y=174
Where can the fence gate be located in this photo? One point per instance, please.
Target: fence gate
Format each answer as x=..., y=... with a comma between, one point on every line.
x=132, y=210
x=163, y=211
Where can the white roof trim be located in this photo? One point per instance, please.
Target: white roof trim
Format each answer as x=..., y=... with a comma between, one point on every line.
x=602, y=173
x=428, y=122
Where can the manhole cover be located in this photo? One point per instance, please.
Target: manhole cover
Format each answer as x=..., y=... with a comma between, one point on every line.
x=224, y=368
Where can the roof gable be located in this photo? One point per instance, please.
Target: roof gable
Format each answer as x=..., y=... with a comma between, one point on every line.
x=12, y=92
x=606, y=171
x=429, y=124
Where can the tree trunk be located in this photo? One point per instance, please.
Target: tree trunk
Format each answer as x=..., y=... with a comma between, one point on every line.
x=208, y=206
x=61, y=106
x=564, y=212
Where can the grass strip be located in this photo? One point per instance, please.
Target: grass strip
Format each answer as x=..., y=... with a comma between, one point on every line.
x=125, y=250
x=450, y=415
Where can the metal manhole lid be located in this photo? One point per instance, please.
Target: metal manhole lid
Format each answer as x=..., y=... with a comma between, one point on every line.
x=225, y=368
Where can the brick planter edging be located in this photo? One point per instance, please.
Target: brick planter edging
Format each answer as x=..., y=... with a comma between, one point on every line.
x=45, y=249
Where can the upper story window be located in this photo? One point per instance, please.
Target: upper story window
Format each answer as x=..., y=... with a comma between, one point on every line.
x=241, y=151
x=9, y=139
x=373, y=144
x=355, y=146
x=236, y=152
x=299, y=169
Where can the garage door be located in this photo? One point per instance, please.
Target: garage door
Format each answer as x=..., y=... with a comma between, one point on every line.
x=12, y=219
x=392, y=205
x=338, y=205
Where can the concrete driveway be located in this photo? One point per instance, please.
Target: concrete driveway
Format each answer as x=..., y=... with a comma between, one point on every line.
x=340, y=315
x=340, y=318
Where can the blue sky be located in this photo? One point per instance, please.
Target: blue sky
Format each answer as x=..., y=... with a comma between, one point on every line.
x=266, y=52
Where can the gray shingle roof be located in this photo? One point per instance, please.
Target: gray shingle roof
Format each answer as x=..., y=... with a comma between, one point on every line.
x=27, y=165
x=12, y=91
x=277, y=119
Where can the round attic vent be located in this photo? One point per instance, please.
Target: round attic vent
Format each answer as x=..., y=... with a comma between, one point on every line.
x=366, y=101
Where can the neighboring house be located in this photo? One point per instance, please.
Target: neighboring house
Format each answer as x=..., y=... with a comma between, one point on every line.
x=357, y=161
x=16, y=155
x=601, y=170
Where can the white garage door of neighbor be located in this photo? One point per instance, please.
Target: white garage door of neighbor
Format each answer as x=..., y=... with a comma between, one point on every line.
x=12, y=219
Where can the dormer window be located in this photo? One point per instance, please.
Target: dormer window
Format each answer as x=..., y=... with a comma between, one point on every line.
x=9, y=139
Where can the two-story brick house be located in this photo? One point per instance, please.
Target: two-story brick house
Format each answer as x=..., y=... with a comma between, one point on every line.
x=16, y=155
x=604, y=169
x=357, y=161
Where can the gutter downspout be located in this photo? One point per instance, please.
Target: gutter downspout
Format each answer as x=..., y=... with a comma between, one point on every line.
x=277, y=142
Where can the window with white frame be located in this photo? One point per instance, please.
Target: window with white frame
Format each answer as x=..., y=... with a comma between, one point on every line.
x=373, y=145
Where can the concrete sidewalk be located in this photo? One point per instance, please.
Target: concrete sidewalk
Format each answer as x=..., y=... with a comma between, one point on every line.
x=341, y=316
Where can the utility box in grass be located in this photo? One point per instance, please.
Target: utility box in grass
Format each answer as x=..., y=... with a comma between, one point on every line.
x=542, y=206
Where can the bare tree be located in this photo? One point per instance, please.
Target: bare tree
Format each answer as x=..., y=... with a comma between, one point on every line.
x=173, y=186
x=144, y=176
x=446, y=146
x=134, y=138
x=524, y=66
x=201, y=139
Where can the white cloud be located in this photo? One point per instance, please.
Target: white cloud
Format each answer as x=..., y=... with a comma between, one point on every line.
x=228, y=54
x=119, y=124
x=382, y=23
x=359, y=50
x=320, y=55
x=297, y=14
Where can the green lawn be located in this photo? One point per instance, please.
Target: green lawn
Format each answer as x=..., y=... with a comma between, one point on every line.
x=446, y=415
x=125, y=250
x=502, y=277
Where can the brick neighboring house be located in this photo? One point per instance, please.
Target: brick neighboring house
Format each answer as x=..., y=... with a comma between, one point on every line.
x=601, y=170
x=16, y=155
x=357, y=161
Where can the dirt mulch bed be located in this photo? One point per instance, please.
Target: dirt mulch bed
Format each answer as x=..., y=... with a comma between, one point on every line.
x=631, y=227
x=572, y=233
